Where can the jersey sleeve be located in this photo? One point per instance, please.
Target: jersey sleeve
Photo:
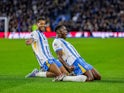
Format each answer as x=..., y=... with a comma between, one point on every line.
x=34, y=36
x=56, y=45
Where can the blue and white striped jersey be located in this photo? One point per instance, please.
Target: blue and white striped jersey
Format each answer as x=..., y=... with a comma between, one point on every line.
x=69, y=52
x=41, y=47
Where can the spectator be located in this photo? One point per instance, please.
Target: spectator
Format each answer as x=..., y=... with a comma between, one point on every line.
x=81, y=15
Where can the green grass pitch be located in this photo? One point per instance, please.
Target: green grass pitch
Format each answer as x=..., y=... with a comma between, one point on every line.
x=106, y=55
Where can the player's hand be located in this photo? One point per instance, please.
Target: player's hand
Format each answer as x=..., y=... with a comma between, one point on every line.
x=70, y=68
x=28, y=42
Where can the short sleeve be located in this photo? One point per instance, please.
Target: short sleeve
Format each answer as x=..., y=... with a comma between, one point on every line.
x=56, y=45
x=34, y=36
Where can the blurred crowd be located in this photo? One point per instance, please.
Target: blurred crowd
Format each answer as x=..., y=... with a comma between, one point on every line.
x=77, y=15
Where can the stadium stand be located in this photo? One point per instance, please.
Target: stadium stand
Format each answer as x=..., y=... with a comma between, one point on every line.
x=78, y=15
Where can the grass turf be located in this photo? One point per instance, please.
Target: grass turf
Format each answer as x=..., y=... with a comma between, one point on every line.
x=106, y=55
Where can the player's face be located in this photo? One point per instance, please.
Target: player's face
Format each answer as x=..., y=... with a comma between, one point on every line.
x=41, y=24
x=63, y=32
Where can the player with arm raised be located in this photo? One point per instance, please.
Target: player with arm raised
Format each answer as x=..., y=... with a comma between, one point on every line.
x=70, y=58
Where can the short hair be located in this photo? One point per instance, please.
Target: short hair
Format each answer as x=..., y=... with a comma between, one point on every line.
x=41, y=18
x=58, y=27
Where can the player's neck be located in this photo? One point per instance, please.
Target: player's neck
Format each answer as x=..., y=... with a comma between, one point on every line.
x=60, y=37
x=41, y=30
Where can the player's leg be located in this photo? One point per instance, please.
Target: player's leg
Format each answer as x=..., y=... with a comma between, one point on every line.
x=37, y=73
x=61, y=67
x=81, y=68
x=96, y=74
x=88, y=72
x=45, y=74
x=89, y=75
x=64, y=71
x=79, y=78
x=49, y=70
x=54, y=69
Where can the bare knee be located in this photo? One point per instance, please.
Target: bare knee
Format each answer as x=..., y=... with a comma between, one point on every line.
x=54, y=69
x=64, y=71
x=98, y=77
x=96, y=74
x=90, y=79
x=89, y=75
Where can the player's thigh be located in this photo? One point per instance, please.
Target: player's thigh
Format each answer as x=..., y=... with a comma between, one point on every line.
x=50, y=66
x=85, y=64
x=80, y=67
x=57, y=62
x=88, y=69
x=61, y=67
x=54, y=69
x=50, y=74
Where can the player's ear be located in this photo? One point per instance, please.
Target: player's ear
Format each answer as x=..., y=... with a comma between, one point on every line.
x=61, y=32
x=38, y=24
x=57, y=31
